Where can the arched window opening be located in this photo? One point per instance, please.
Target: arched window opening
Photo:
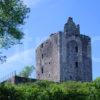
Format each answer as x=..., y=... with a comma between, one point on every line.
x=72, y=47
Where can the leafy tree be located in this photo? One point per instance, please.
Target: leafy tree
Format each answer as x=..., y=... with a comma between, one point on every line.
x=97, y=82
x=12, y=15
x=26, y=72
x=97, y=88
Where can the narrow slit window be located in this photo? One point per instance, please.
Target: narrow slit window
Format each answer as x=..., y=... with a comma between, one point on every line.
x=42, y=56
x=42, y=45
x=76, y=49
x=70, y=77
x=42, y=70
x=76, y=64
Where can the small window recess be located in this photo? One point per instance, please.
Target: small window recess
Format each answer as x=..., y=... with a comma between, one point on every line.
x=42, y=70
x=46, y=42
x=42, y=56
x=76, y=49
x=70, y=77
x=76, y=64
x=42, y=45
x=76, y=35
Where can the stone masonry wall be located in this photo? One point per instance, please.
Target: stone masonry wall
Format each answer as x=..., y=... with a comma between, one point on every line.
x=47, y=55
x=65, y=56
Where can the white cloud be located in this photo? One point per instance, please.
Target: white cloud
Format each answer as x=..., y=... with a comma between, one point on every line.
x=21, y=56
x=17, y=62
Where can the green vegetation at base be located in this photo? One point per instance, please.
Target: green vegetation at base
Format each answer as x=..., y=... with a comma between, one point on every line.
x=46, y=90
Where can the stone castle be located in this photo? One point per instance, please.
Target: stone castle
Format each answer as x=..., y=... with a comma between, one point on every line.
x=65, y=56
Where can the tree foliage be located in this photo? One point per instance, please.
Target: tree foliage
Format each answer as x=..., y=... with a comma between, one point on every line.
x=26, y=72
x=46, y=90
x=12, y=15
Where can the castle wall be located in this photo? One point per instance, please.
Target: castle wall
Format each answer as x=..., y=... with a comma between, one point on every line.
x=47, y=55
x=87, y=59
x=69, y=58
x=65, y=56
x=75, y=65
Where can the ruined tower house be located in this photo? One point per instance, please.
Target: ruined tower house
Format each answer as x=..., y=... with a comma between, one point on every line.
x=65, y=56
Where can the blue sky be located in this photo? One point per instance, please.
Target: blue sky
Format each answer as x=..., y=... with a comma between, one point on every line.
x=46, y=17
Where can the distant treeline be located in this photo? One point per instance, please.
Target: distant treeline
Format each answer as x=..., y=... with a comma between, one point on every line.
x=46, y=90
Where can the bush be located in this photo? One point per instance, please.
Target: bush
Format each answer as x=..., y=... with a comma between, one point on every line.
x=46, y=90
